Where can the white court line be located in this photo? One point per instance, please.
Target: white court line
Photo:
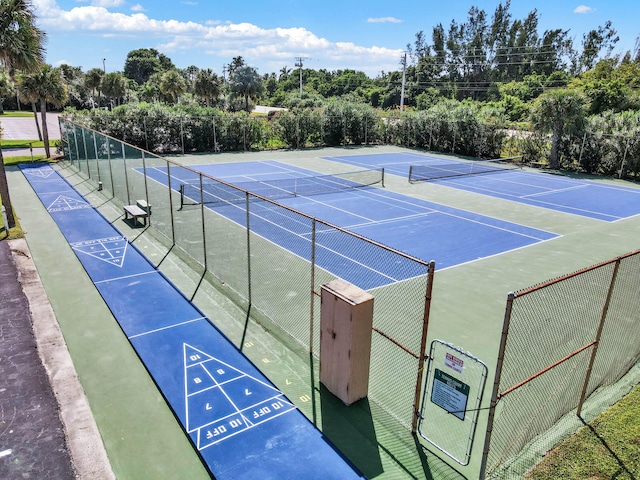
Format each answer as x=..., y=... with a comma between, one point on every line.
x=305, y=237
x=558, y=190
x=465, y=218
x=558, y=207
x=124, y=277
x=186, y=322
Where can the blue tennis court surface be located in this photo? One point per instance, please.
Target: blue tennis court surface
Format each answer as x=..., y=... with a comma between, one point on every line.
x=240, y=423
x=579, y=197
x=425, y=230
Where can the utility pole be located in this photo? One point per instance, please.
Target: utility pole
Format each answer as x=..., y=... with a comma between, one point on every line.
x=403, y=61
x=299, y=61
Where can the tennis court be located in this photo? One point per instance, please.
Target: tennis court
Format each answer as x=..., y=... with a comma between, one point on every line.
x=578, y=197
x=425, y=230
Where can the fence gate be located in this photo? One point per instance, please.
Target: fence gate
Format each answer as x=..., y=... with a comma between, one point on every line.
x=452, y=394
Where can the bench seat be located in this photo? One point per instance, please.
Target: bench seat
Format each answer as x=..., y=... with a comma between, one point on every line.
x=136, y=213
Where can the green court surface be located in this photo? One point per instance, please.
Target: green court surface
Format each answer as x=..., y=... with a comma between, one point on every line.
x=142, y=438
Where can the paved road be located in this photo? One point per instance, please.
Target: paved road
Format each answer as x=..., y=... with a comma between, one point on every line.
x=24, y=128
x=32, y=439
x=46, y=426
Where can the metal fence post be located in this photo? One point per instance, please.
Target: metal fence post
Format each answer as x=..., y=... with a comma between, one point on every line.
x=594, y=351
x=95, y=149
x=173, y=222
x=313, y=284
x=204, y=232
x=423, y=346
x=496, y=383
x=126, y=173
x=248, y=215
x=182, y=134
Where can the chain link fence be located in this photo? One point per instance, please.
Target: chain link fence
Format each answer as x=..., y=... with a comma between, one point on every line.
x=561, y=341
x=272, y=260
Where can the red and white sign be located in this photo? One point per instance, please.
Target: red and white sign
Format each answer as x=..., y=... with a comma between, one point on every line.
x=454, y=362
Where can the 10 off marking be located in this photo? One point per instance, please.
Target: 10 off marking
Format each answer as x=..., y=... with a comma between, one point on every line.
x=222, y=429
x=266, y=410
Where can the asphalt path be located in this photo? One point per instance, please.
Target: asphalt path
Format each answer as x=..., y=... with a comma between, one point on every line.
x=46, y=426
x=24, y=128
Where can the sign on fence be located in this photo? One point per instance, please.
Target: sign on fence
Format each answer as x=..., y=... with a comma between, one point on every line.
x=452, y=394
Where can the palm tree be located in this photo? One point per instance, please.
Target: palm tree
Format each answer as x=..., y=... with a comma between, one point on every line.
x=45, y=85
x=6, y=89
x=246, y=82
x=560, y=112
x=21, y=47
x=114, y=86
x=235, y=64
x=207, y=85
x=27, y=87
x=173, y=84
x=93, y=80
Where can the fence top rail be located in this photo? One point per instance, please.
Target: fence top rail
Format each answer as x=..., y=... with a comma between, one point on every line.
x=265, y=199
x=525, y=291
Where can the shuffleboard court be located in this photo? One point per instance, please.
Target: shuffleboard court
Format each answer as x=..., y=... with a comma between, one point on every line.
x=423, y=229
x=240, y=423
x=578, y=197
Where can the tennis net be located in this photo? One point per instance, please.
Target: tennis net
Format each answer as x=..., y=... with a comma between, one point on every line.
x=214, y=191
x=424, y=173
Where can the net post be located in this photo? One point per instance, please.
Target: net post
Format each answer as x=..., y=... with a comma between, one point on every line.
x=410, y=173
x=382, y=177
x=423, y=346
x=496, y=383
x=181, y=190
x=594, y=352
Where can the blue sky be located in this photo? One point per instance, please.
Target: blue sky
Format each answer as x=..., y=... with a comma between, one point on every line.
x=369, y=36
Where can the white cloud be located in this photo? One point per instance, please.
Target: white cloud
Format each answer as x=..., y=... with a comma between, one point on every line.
x=257, y=45
x=107, y=3
x=57, y=63
x=137, y=8
x=583, y=9
x=383, y=20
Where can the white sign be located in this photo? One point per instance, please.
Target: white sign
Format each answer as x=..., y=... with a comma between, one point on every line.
x=454, y=362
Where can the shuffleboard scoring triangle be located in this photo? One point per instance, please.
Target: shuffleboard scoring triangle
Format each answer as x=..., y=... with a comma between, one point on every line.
x=222, y=401
x=40, y=172
x=63, y=203
x=111, y=250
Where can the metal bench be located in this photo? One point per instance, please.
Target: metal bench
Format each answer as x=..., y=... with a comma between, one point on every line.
x=136, y=213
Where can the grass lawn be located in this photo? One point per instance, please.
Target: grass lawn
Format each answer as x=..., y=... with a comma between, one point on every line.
x=13, y=233
x=24, y=159
x=607, y=448
x=16, y=114
x=24, y=143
